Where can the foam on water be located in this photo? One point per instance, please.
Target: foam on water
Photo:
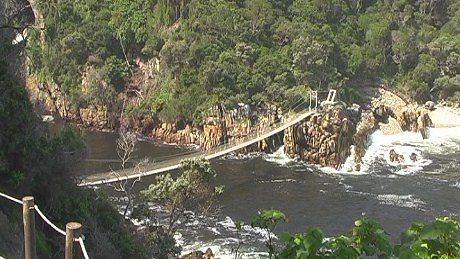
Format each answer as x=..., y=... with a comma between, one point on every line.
x=279, y=157
x=405, y=201
x=456, y=185
x=279, y=181
x=405, y=143
x=227, y=240
x=239, y=156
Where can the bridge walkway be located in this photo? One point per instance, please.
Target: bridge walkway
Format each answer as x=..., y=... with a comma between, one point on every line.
x=163, y=166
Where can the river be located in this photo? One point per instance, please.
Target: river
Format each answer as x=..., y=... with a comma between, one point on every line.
x=311, y=196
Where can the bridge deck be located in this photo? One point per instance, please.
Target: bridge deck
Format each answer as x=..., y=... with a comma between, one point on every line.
x=163, y=166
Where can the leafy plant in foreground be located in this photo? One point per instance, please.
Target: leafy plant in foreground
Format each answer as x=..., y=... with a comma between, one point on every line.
x=267, y=219
x=439, y=239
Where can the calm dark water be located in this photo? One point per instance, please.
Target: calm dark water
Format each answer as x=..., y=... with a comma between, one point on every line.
x=310, y=196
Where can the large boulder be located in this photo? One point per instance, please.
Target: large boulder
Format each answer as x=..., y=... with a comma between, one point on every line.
x=199, y=255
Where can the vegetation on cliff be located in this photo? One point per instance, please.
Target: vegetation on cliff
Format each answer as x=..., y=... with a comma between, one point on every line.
x=198, y=53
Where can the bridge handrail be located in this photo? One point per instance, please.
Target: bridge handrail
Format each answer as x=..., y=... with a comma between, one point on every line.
x=174, y=163
x=250, y=138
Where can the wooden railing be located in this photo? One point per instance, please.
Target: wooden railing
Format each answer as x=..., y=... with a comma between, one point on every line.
x=72, y=231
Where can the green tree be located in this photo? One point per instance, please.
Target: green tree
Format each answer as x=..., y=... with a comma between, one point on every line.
x=101, y=92
x=377, y=40
x=267, y=219
x=192, y=190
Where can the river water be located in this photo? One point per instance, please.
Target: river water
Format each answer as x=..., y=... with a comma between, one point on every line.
x=396, y=195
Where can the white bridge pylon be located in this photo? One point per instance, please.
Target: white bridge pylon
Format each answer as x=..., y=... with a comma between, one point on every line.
x=163, y=166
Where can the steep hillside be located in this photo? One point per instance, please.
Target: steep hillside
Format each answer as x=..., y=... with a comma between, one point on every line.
x=194, y=54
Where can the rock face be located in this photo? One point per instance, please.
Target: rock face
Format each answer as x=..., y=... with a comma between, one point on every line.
x=414, y=118
x=222, y=126
x=199, y=255
x=171, y=133
x=323, y=139
x=384, y=105
x=409, y=117
x=366, y=126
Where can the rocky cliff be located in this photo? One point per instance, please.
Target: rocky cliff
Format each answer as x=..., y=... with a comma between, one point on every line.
x=390, y=113
x=323, y=139
x=222, y=126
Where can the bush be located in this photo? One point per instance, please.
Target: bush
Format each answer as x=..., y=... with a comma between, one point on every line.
x=438, y=239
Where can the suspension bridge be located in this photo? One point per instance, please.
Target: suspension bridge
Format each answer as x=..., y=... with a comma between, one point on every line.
x=231, y=146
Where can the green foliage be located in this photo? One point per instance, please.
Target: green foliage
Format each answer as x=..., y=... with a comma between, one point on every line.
x=370, y=239
x=367, y=239
x=163, y=244
x=31, y=163
x=156, y=100
x=302, y=245
x=69, y=138
x=24, y=144
x=267, y=219
x=247, y=51
x=92, y=209
x=100, y=90
x=130, y=18
x=43, y=248
x=192, y=190
x=188, y=191
x=439, y=239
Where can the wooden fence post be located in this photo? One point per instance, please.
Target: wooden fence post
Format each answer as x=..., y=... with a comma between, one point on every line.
x=28, y=219
x=72, y=231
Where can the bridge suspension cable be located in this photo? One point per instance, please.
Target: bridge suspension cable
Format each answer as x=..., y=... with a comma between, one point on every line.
x=230, y=146
x=293, y=107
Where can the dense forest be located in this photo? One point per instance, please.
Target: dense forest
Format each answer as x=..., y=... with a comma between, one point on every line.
x=207, y=52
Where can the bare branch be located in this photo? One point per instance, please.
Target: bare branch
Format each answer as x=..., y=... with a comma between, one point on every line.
x=126, y=146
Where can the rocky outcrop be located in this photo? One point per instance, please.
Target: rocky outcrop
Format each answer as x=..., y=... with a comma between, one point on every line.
x=94, y=118
x=170, y=133
x=325, y=138
x=410, y=117
x=322, y=139
x=140, y=124
x=199, y=255
x=414, y=118
x=49, y=96
x=146, y=125
x=366, y=126
x=221, y=126
x=388, y=108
